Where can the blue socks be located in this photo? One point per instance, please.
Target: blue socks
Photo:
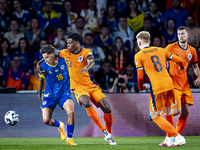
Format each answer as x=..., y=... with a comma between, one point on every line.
x=70, y=130
x=57, y=123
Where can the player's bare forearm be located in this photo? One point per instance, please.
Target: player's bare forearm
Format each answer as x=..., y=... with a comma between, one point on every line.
x=39, y=65
x=90, y=64
x=197, y=73
x=40, y=87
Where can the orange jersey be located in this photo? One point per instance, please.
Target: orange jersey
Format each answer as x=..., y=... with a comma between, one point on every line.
x=180, y=80
x=76, y=62
x=153, y=60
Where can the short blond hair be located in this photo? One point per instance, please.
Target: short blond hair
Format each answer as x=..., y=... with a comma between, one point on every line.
x=183, y=28
x=144, y=35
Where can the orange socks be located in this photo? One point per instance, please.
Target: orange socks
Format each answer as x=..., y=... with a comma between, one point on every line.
x=165, y=125
x=93, y=115
x=108, y=121
x=170, y=119
x=181, y=122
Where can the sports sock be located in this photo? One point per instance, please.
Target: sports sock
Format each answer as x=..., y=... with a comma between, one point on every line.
x=165, y=125
x=181, y=122
x=170, y=119
x=108, y=121
x=93, y=115
x=57, y=123
x=70, y=131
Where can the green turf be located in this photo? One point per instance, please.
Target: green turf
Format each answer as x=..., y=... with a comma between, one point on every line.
x=94, y=143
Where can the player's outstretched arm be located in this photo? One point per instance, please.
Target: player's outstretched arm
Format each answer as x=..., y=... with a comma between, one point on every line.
x=39, y=69
x=197, y=73
x=40, y=87
x=90, y=64
x=176, y=59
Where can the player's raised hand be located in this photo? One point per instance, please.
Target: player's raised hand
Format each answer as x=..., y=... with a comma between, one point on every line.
x=84, y=70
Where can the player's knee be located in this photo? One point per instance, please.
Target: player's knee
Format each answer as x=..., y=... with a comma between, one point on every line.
x=46, y=121
x=87, y=103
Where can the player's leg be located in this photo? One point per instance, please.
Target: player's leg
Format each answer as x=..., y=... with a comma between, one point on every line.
x=108, y=117
x=182, y=120
x=69, y=108
x=85, y=101
x=100, y=100
x=186, y=101
x=48, y=107
x=161, y=102
x=47, y=116
x=176, y=106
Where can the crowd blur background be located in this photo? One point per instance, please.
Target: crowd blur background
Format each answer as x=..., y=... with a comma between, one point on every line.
x=107, y=27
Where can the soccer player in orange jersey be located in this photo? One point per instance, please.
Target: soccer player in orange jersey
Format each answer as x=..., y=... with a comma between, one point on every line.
x=80, y=61
x=153, y=60
x=182, y=92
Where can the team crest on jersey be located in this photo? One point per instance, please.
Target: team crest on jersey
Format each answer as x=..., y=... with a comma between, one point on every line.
x=50, y=72
x=62, y=67
x=56, y=70
x=175, y=103
x=44, y=103
x=77, y=94
x=189, y=57
x=80, y=58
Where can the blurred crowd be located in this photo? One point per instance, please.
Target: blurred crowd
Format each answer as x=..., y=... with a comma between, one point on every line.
x=107, y=27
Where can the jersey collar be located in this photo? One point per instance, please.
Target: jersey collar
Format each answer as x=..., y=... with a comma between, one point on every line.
x=181, y=47
x=78, y=51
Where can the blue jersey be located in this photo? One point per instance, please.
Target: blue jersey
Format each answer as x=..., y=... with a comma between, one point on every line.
x=57, y=79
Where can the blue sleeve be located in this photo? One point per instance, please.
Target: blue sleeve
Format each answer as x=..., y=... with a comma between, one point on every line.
x=24, y=79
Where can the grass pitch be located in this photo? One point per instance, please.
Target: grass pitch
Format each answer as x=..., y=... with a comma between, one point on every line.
x=95, y=143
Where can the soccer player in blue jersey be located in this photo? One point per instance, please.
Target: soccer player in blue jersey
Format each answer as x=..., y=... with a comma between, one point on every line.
x=57, y=92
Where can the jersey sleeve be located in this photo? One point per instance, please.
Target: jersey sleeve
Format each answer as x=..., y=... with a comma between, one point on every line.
x=87, y=53
x=138, y=62
x=194, y=56
x=140, y=72
x=171, y=56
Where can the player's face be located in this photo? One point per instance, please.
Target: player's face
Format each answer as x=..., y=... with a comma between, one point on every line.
x=72, y=45
x=182, y=36
x=49, y=58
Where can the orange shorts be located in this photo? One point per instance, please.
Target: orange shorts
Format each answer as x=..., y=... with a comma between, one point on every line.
x=93, y=91
x=159, y=102
x=182, y=97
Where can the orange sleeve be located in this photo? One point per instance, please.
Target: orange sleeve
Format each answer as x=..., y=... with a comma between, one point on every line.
x=140, y=79
x=140, y=72
x=194, y=56
x=175, y=58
